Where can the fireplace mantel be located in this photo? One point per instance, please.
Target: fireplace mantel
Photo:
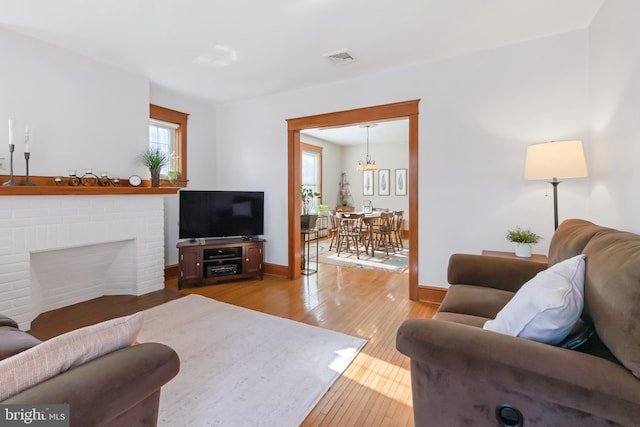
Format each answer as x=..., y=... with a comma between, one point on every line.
x=45, y=186
x=50, y=190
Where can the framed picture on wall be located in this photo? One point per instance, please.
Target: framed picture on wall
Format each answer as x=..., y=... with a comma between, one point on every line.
x=401, y=182
x=383, y=182
x=367, y=183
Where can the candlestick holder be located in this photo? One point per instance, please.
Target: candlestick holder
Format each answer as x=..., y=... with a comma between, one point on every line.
x=26, y=178
x=11, y=182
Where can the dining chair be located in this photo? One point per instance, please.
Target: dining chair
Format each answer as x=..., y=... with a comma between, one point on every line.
x=397, y=224
x=333, y=229
x=350, y=232
x=383, y=231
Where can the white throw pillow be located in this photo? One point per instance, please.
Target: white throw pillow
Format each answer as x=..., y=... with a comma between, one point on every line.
x=547, y=307
x=61, y=353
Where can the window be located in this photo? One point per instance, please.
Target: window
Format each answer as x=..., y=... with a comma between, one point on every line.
x=312, y=171
x=168, y=134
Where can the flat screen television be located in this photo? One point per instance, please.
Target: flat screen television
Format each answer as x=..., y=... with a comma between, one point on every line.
x=214, y=214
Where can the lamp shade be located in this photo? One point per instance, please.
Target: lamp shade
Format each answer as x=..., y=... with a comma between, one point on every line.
x=559, y=159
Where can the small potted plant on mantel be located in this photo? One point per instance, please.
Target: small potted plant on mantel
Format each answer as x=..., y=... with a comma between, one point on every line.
x=154, y=160
x=306, y=219
x=523, y=239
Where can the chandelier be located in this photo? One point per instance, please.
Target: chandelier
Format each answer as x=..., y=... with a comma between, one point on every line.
x=368, y=164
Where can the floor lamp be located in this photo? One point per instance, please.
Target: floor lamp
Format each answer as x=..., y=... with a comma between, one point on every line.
x=553, y=160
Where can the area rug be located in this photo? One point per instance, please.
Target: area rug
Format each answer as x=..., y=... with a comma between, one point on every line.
x=240, y=367
x=397, y=262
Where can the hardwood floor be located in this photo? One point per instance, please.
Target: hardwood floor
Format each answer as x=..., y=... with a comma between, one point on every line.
x=374, y=391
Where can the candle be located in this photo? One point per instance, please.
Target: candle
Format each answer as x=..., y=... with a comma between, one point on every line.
x=26, y=139
x=10, y=131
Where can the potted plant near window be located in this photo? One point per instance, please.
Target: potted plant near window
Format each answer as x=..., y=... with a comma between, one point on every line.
x=154, y=160
x=523, y=239
x=306, y=219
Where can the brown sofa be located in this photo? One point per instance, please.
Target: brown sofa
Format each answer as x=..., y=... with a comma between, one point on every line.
x=121, y=388
x=464, y=375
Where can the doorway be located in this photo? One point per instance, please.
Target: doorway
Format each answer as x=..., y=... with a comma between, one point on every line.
x=408, y=110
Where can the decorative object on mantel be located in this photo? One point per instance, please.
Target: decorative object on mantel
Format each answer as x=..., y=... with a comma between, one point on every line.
x=27, y=156
x=11, y=149
x=11, y=182
x=89, y=179
x=523, y=238
x=135, y=181
x=154, y=159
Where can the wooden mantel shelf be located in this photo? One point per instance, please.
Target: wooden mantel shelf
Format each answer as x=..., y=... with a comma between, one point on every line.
x=45, y=186
x=50, y=190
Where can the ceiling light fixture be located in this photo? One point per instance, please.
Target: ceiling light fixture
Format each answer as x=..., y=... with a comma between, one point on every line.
x=369, y=164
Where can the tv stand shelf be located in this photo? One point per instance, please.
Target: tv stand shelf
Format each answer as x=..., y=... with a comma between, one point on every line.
x=210, y=261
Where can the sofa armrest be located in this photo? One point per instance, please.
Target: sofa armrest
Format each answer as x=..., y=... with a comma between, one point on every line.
x=103, y=389
x=510, y=366
x=492, y=272
x=7, y=321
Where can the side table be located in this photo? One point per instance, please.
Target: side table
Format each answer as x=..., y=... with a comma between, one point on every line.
x=307, y=234
x=534, y=257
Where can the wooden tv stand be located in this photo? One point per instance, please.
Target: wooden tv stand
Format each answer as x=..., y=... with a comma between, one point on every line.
x=215, y=260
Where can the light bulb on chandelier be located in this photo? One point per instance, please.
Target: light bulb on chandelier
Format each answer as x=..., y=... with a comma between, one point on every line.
x=368, y=164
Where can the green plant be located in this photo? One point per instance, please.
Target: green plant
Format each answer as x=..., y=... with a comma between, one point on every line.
x=307, y=195
x=520, y=235
x=153, y=159
x=173, y=176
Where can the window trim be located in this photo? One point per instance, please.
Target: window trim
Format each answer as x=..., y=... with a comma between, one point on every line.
x=315, y=149
x=180, y=120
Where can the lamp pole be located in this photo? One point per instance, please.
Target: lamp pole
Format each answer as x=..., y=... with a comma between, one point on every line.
x=555, y=183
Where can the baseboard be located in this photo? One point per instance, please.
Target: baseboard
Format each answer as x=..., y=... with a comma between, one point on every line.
x=431, y=294
x=276, y=270
x=171, y=271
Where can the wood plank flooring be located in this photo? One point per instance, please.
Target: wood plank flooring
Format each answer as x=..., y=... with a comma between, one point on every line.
x=376, y=388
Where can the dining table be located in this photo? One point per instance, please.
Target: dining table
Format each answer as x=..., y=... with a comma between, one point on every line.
x=369, y=219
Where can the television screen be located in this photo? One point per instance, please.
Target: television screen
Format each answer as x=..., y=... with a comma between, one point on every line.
x=221, y=214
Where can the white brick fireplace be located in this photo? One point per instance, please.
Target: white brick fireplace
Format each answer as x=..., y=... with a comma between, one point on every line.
x=60, y=250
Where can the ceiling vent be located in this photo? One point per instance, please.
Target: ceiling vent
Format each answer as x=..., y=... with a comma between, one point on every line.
x=340, y=57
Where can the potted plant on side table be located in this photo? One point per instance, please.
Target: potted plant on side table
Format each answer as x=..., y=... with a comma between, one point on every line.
x=306, y=219
x=523, y=239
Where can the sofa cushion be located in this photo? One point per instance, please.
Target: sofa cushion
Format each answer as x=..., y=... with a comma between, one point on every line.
x=475, y=300
x=612, y=294
x=547, y=307
x=464, y=319
x=61, y=353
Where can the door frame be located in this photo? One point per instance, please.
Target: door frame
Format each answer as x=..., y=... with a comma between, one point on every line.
x=398, y=110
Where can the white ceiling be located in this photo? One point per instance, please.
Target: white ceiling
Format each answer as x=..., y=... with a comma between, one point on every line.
x=224, y=50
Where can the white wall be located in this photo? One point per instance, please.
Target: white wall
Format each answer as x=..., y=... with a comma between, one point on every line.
x=81, y=113
x=615, y=98
x=85, y=114
x=201, y=155
x=387, y=156
x=477, y=115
